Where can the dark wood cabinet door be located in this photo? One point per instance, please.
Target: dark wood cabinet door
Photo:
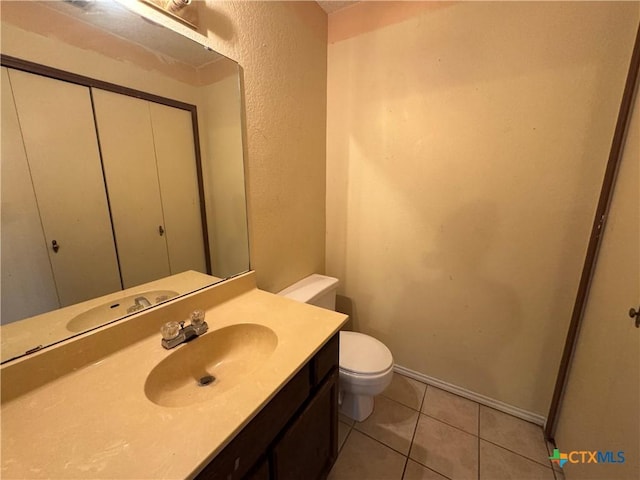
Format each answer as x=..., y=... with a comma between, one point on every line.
x=238, y=458
x=260, y=471
x=309, y=446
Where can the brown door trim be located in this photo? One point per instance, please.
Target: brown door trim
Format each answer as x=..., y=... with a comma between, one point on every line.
x=622, y=124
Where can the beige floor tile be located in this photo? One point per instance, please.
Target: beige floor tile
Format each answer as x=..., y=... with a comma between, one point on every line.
x=559, y=474
x=452, y=409
x=415, y=471
x=343, y=432
x=405, y=390
x=391, y=423
x=345, y=419
x=362, y=458
x=514, y=434
x=445, y=449
x=499, y=464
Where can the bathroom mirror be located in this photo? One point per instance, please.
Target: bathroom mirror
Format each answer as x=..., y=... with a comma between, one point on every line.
x=134, y=59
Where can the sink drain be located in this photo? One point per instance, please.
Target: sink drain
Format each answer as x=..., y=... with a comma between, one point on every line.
x=206, y=380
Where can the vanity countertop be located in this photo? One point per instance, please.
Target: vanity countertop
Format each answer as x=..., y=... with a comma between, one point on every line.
x=91, y=418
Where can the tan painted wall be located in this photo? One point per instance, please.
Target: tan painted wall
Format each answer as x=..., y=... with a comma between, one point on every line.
x=466, y=144
x=281, y=47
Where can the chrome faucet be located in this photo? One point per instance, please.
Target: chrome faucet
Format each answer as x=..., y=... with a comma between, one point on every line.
x=139, y=304
x=174, y=333
x=142, y=301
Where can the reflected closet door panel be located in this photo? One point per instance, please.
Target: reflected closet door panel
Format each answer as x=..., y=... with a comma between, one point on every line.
x=177, y=174
x=59, y=135
x=128, y=156
x=28, y=288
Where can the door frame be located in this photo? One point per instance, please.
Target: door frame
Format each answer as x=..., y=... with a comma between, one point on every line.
x=595, y=239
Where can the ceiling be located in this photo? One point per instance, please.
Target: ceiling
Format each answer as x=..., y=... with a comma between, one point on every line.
x=332, y=6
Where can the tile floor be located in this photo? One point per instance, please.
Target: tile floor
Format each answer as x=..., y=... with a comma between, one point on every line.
x=421, y=432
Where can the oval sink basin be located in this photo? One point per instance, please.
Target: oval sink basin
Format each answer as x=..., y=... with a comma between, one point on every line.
x=210, y=365
x=117, y=308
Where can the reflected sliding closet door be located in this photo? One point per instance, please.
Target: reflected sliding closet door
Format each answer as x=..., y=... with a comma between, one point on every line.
x=27, y=280
x=177, y=174
x=57, y=126
x=150, y=169
x=129, y=162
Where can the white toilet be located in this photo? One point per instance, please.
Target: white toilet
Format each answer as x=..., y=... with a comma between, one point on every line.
x=366, y=364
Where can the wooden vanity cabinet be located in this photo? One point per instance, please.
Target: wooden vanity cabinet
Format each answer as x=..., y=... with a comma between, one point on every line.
x=295, y=436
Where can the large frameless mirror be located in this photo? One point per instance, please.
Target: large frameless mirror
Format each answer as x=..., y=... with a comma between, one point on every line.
x=122, y=168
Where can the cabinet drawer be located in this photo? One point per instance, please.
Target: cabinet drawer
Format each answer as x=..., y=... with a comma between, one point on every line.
x=237, y=458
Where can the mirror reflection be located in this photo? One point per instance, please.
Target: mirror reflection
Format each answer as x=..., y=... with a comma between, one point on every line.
x=122, y=169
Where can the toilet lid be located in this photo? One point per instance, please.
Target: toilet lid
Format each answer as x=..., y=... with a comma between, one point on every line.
x=361, y=353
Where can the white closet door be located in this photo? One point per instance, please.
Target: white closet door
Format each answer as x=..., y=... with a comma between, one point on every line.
x=601, y=405
x=128, y=156
x=177, y=174
x=28, y=288
x=59, y=135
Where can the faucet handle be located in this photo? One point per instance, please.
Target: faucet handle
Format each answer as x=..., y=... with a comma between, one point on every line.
x=170, y=330
x=197, y=318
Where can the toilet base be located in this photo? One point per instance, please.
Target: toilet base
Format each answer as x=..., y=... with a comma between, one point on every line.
x=356, y=407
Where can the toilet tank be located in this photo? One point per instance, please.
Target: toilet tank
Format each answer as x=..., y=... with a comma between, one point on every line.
x=315, y=289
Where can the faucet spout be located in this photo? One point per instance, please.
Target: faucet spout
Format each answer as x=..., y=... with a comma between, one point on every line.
x=142, y=302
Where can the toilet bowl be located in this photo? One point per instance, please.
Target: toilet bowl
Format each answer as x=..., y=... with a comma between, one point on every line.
x=366, y=364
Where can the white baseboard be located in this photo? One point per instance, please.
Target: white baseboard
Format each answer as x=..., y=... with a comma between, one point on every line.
x=476, y=397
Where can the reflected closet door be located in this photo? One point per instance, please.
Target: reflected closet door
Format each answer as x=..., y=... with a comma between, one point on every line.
x=177, y=174
x=128, y=156
x=28, y=288
x=58, y=129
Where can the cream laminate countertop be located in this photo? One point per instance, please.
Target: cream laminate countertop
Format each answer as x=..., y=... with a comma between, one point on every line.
x=95, y=421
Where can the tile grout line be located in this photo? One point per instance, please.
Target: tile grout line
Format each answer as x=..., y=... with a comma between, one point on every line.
x=399, y=403
x=507, y=448
x=345, y=442
x=431, y=469
x=431, y=416
x=447, y=424
x=380, y=442
x=515, y=453
x=548, y=464
x=415, y=429
x=424, y=398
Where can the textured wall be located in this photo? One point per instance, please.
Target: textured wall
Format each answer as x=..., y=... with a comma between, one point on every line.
x=282, y=49
x=466, y=144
